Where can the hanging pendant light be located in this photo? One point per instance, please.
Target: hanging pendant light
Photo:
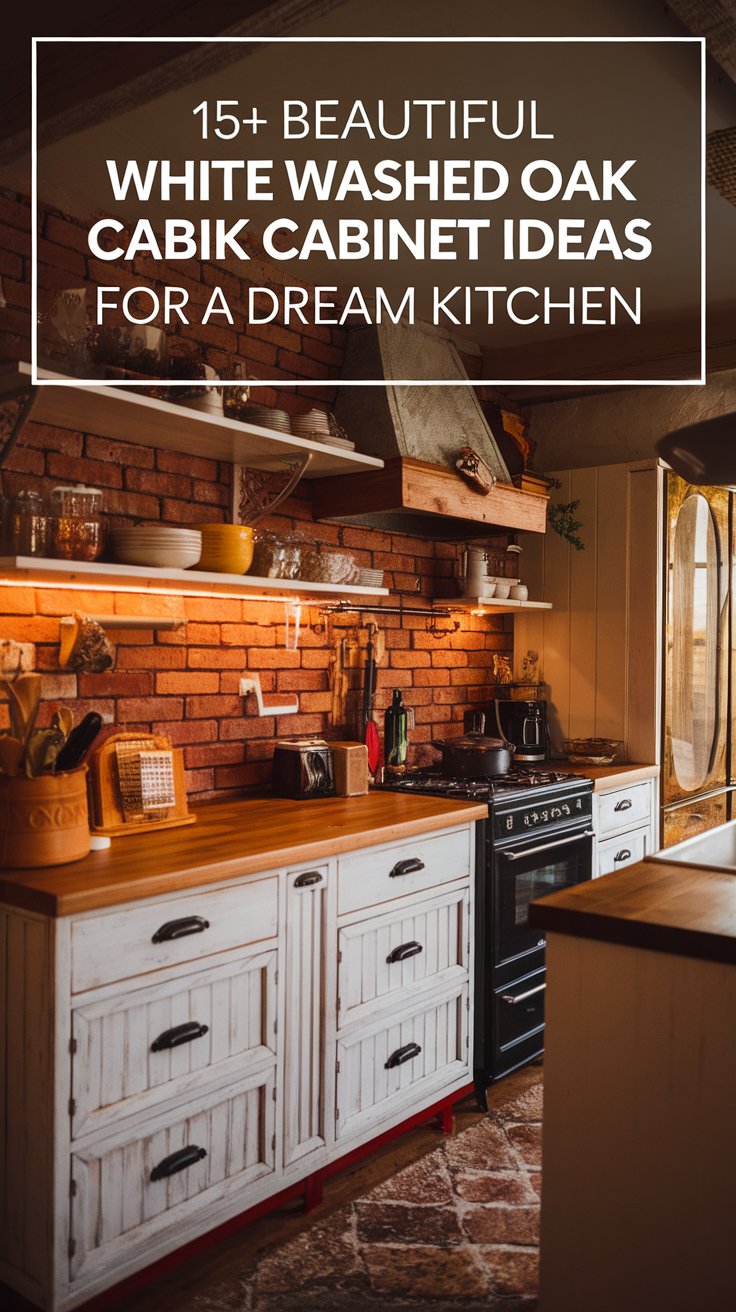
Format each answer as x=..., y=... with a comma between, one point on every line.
x=703, y=453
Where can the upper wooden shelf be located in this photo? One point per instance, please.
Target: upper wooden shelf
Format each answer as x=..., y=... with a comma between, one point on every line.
x=42, y=572
x=127, y=415
x=490, y=606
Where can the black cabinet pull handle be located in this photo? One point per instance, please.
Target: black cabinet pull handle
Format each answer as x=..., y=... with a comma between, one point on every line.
x=309, y=877
x=407, y=867
x=403, y=951
x=180, y=928
x=624, y=805
x=623, y=855
x=178, y=1161
x=191, y=1029
x=407, y=1053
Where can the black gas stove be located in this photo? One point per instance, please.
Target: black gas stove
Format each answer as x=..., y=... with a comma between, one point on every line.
x=538, y=838
x=482, y=788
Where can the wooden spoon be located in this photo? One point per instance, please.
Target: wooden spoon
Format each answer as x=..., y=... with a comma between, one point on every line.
x=11, y=755
x=27, y=689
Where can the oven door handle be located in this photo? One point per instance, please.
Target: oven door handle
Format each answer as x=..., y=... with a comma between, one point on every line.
x=515, y=999
x=547, y=847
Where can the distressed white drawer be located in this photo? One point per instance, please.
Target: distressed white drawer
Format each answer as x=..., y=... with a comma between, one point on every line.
x=151, y=935
x=127, y=1189
x=379, y=874
x=423, y=945
x=625, y=850
x=135, y=1050
x=384, y=1066
x=625, y=808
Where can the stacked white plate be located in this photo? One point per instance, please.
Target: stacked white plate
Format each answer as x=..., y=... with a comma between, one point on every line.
x=315, y=424
x=267, y=416
x=370, y=578
x=156, y=545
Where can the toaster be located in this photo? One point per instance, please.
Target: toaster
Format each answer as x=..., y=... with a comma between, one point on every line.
x=303, y=768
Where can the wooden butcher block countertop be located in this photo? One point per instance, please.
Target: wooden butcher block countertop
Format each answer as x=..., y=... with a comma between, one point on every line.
x=609, y=776
x=230, y=839
x=669, y=908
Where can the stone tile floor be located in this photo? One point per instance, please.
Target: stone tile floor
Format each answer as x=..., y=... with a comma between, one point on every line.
x=456, y=1231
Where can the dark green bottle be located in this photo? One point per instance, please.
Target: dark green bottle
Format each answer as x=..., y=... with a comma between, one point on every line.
x=395, y=740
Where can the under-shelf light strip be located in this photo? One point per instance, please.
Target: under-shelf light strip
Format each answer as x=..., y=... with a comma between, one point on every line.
x=147, y=591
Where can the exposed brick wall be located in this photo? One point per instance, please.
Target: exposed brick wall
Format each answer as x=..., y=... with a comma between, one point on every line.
x=184, y=682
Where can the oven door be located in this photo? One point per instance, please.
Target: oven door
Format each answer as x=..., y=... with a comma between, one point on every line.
x=529, y=870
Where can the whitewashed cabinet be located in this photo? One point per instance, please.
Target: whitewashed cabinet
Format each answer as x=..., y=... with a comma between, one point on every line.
x=625, y=823
x=168, y=1063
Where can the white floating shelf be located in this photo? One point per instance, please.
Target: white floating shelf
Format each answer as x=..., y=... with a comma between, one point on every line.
x=489, y=605
x=40, y=571
x=127, y=415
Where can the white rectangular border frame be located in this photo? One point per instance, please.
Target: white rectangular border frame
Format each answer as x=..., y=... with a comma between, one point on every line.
x=376, y=40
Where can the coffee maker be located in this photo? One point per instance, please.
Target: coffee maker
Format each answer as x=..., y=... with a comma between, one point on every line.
x=524, y=723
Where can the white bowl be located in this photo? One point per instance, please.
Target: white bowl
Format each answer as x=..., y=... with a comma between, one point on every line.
x=503, y=588
x=157, y=557
x=519, y=592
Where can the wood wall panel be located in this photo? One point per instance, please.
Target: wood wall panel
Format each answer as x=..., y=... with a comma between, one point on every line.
x=599, y=647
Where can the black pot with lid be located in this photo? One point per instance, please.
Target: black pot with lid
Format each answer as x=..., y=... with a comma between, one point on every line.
x=475, y=756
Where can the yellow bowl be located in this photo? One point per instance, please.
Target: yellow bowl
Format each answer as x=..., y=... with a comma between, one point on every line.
x=226, y=548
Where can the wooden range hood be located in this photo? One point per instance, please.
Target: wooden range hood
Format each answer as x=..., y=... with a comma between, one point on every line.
x=413, y=496
x=418, y=431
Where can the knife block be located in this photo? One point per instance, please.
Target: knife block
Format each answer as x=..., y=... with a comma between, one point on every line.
x=351, y=768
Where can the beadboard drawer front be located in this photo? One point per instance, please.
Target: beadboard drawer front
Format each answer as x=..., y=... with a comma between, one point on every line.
x=380, y=874
x=121, y=944
x=117, y=1208
x=624, y=808
x=418, y=947
x=139, y=1048
x=382, y=1068
x=628, y=848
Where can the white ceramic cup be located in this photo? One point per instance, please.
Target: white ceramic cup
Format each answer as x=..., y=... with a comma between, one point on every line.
x=503, y=587
x=519, y=592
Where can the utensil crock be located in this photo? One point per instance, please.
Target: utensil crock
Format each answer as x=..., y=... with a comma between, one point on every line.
x=43, y=821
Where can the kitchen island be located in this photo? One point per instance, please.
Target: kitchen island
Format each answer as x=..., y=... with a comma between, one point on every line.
x=639, y=1144
x=195, y=1023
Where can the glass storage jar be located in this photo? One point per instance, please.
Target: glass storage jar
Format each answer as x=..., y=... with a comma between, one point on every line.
x=28, y=535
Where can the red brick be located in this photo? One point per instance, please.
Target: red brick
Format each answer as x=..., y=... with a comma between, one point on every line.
x=116, y=684
x=26, y=628
x=198, y=781
x=25, y=460
x=431, y=678
x=251, y=726
x=315, y=660
x=215, y=658
x=449, y=658
x=212, y=609
x=16, y=213
x=315, y=701
x=409, y=660
x=152, y=657
x=101, y=473
x=199, y=682
x=302, y=365
x=330, y=355
x=119, y=453
x=213, y=494
x=214, y=705
x=61, y=257
x=17, y=601
x=157, y=484
x=186, y=512
x=172, y=462
x=270, y=332
x=300, y=680
x=189, y=731
x=146, y=709
x=213, y=754
x=298, y=724
x=131, y=505
x=253, y=775
x=273, y=659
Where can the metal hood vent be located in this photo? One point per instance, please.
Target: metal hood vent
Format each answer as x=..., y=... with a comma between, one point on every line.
x=422, y=423
x=418, y=432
